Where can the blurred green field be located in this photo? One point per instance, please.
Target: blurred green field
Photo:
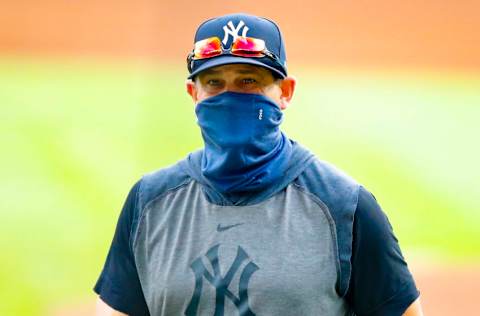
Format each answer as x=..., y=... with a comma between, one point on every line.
x=75, y=136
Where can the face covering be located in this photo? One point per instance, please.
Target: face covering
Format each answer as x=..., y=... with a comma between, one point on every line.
x=244, y=147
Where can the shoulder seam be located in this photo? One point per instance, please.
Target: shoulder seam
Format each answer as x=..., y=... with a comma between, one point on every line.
x=331, y=222
x=136, y=203
x=349, y=277
x=143, y=211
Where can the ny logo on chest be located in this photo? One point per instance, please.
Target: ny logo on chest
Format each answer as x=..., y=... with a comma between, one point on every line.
x=221, y=283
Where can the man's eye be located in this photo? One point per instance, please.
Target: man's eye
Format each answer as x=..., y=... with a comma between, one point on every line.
x=213, y=82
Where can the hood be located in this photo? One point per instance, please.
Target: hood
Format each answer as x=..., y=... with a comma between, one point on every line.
x=300, y=159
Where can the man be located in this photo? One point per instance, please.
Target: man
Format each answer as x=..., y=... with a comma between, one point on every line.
x=253, y=223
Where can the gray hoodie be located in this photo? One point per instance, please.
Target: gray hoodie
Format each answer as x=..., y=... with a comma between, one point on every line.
x=283, y=251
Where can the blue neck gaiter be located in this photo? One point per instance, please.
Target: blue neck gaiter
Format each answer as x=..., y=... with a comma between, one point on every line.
x=244, y=147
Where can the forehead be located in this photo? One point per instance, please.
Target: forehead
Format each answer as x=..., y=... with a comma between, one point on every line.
x=236, y=69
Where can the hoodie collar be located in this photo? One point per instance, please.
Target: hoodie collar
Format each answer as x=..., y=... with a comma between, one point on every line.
x=300, y=158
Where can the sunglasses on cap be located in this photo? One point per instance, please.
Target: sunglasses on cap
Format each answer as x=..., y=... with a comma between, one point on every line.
x=241, y=46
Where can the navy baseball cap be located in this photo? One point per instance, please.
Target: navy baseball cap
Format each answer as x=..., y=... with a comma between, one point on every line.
x=227, y=28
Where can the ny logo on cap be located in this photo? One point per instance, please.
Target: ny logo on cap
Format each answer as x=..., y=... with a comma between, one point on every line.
x=232, y=30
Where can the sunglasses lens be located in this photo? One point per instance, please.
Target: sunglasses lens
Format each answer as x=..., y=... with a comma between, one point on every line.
x=207, y=48
x=248, y=47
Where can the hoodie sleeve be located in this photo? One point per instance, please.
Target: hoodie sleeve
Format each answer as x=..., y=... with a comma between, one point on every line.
x=381, y=283
x=118, y=284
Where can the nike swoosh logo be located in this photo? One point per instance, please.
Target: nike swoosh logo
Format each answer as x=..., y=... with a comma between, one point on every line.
x=221, y=228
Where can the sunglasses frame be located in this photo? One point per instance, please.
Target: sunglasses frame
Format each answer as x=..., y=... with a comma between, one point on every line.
x=265, y=52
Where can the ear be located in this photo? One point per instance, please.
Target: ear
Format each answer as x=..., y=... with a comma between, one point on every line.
x=191, y=89
x=287, y=87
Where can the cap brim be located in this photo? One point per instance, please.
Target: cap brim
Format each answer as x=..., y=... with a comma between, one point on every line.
x=225, y=60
